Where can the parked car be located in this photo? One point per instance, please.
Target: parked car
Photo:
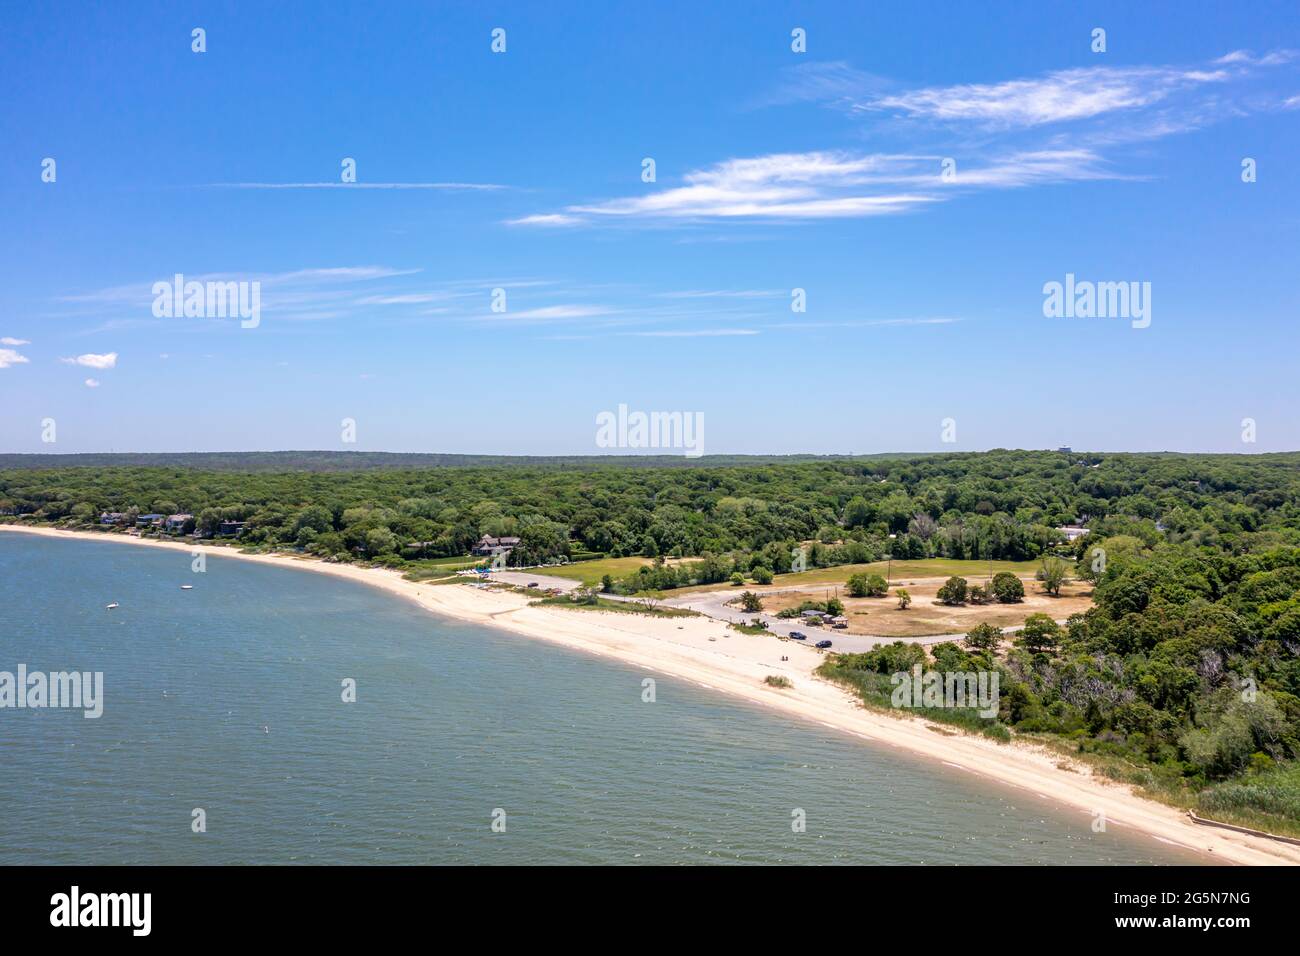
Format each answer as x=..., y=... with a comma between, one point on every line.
x=823, y=644
x=532, y=584
x=798, y=636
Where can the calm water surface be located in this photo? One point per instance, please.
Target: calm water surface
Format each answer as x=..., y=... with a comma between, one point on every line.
x=227, y=697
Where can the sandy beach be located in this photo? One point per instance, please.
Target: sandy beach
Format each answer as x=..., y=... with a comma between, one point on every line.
x=711, y=655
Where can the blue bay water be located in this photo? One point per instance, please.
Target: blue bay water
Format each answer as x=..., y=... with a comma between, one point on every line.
x=227, y=697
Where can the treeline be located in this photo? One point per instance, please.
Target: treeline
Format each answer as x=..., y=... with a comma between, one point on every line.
x=1000, y=504
x=1187, y=667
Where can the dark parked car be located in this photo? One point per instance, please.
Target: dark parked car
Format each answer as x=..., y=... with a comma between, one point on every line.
x=823, y=643
x=798, y=636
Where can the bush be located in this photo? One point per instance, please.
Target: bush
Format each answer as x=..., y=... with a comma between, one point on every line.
x=1007, y=588
x=953, y=591
x=776, y=680
x=984, y=637
x=867, y=585
x=1039, y=634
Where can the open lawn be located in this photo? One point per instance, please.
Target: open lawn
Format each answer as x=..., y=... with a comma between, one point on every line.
x=590, y=572
x=881, y=616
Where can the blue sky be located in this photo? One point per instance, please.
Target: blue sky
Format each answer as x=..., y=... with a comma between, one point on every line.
x=775, y=170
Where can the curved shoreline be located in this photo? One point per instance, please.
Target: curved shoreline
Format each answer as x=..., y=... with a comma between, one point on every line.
x=707, y=653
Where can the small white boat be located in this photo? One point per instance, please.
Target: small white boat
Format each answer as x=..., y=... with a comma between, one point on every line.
x=187, y=587
x=109, y=607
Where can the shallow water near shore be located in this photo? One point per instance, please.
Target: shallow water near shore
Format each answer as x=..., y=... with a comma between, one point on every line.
x=228, y=698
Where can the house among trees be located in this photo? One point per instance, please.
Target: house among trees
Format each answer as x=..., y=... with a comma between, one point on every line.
x=113, y=517
x=148, y=521
x=489, y=546
x=230, y=529
x=1072, y=532
x=175, y=524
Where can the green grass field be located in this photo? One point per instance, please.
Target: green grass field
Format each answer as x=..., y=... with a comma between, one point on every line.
x=590, y=572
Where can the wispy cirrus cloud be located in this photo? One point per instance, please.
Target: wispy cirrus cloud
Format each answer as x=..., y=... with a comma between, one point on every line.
x=551, y=312
x=1061, y=96
x=831, y=185
x=7, y=340
x=992, y=132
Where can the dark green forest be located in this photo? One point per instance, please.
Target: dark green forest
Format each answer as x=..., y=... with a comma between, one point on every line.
x=1185, y=675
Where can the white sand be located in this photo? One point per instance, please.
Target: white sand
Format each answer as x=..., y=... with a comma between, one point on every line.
x=711, y=655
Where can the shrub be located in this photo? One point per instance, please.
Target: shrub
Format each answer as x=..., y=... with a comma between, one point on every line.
x=984, y=637
x=1039, y=634
x=1007, y=588
x=953, y=591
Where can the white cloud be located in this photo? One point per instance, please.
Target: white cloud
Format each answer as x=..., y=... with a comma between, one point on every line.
x=8, y=341
x=92, y=383
x=91, y=360
x=548, y=219
x=1064, y=95
x=838, y=184
x=1272, y=58
x=553, y=312
x=9, y=357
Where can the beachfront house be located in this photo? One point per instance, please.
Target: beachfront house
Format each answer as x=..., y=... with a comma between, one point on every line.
x=113, y=517
x=230, y=529
x=490, y=547
x=176, y=524
x=149, y=521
